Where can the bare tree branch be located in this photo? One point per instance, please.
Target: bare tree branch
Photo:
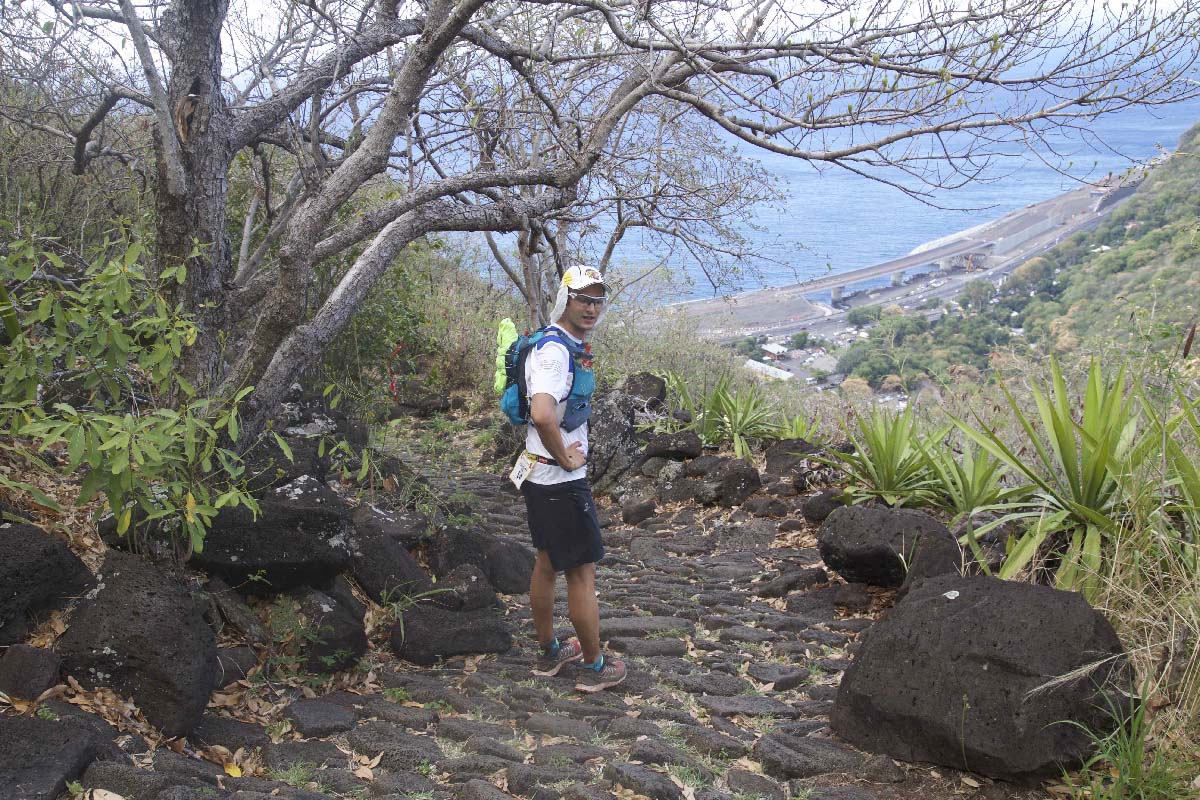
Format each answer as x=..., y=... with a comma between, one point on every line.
x=176, y=180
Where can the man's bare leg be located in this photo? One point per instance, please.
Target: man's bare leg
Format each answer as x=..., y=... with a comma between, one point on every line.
x=583, y=608
x=541, y=598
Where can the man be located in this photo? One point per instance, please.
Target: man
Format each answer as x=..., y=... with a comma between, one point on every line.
x=562, y=514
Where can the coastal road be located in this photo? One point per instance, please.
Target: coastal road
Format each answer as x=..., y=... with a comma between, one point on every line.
x=1018, y=236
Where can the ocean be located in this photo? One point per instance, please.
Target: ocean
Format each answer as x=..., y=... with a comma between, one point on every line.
x=831, y=220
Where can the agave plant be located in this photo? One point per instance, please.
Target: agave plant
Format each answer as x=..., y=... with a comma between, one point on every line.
x=744, y=416
x=798, y=427
x=682, y=400
x=889, y=459
x=1184, y=479
x=1077, y=470
x=968, y=480
x=723, y=414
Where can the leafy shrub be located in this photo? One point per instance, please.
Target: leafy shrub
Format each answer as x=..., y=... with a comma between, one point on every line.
x=101, y=351
x=864, y=315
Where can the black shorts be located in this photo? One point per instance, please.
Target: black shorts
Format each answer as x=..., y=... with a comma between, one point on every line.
x=562, y=521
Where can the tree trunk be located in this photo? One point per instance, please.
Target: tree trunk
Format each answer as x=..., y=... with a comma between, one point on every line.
x=190, y=228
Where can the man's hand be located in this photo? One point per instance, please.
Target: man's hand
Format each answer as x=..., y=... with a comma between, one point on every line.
x=575, y=457
x=543, y=415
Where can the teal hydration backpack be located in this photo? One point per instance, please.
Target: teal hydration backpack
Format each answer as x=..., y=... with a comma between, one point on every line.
x=514, y=398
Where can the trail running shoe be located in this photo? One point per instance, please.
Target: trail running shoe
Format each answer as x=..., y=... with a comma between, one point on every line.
x=589, y=680
x=548, y=665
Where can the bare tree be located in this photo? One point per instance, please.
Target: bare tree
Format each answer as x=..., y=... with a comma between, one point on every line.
x=396, y=120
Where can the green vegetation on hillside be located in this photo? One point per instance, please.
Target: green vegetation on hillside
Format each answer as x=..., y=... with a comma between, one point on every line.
x=1135, y=274
x=1134, y=277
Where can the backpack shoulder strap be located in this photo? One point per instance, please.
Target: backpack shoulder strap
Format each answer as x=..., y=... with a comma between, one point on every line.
x=556, y=334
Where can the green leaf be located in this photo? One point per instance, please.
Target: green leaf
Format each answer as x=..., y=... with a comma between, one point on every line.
x=283, y=446
x=119, y=463
x=120, y=440
x=45, y=308
x=92, y=483
x=75, y=445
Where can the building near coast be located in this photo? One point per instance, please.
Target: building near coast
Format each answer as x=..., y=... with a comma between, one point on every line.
x=767, y=370
x=774, y=351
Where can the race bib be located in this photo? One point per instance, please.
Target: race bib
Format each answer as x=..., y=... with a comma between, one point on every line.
x=522, y=468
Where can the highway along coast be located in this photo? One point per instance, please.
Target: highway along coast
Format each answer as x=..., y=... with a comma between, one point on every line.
x=935, y=270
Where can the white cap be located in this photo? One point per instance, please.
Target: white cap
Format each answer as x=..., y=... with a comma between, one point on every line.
x=574, y=279
x=579, y=276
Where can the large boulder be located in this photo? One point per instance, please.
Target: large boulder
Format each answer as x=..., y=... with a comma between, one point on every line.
x=984, y=675
x=26, y=671
x=40, y=756
x=710, y=480
x=933, y=555
x=682, y=489
x=268, y=466
x=407, y=528
x=144, y=636
x=426, y=633
x=734, y=482
x=817, y=508
x=875, y=544
x=301, y=538
x=647, y=387
x=674, y=446
x=614, y=446
x=380, y=558
x=230, y=610
x=38, y=572
x=788, y=458
x=507, y=563
x=334, y=637
x=465, y=588
x=638, y=510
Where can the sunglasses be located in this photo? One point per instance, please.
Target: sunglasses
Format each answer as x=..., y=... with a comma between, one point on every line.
x=588, y=300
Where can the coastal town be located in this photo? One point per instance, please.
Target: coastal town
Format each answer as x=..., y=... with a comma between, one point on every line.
x=793, y=333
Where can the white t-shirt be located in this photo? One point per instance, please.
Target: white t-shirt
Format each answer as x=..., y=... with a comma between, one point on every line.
x=548, y=371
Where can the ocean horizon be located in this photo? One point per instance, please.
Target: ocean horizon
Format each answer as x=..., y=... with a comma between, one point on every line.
x=831, y=220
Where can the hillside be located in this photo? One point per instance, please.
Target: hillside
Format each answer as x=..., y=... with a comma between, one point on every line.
x=1136, y=273
x=1131, y=280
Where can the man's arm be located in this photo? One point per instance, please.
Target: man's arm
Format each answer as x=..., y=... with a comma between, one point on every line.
x=543, y=415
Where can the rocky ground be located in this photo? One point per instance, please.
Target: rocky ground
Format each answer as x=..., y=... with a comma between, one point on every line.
x=734, y=632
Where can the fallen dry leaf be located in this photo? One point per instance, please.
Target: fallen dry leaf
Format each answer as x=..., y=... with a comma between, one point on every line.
x=363, y=772
x=52, y=692
x=969, y=781
x=100, y=794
